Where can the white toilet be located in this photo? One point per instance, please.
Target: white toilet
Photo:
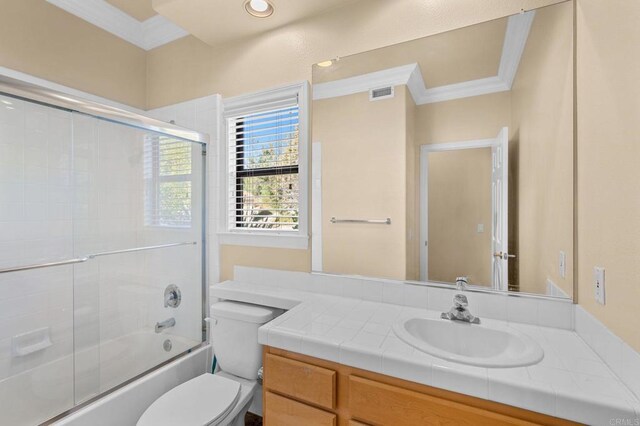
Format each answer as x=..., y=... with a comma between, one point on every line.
x=223, y=398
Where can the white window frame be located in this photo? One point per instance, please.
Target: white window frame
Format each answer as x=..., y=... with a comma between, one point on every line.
x=247, y=104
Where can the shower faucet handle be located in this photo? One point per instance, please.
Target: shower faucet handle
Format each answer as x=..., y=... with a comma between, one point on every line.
x=172, y=296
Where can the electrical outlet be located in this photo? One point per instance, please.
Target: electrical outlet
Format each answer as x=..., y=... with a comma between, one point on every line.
x=562, y=264
x=598, y=282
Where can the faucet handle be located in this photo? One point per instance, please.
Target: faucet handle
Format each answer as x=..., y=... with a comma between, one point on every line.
x=172, y=296
x=460, y=301
x=461, y=283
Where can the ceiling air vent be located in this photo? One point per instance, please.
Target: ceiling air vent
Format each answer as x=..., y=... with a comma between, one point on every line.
x=381, y=93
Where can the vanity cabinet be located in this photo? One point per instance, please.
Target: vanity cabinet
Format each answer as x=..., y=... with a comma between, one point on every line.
x=301, y=390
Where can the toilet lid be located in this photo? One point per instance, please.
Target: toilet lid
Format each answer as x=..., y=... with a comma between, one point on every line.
x=201, y=401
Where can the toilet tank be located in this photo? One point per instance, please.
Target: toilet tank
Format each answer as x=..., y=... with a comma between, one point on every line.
x=234, y=336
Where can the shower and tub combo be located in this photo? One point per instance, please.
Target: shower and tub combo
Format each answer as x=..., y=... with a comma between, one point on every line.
x=102, y=271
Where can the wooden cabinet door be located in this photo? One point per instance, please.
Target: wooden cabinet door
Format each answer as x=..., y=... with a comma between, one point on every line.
x=381, y=404
x=281, y=411
x=301, y=381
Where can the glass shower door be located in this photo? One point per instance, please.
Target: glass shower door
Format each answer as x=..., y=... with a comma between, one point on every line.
x=138, y=216
x=101, y=256
x=36, y=305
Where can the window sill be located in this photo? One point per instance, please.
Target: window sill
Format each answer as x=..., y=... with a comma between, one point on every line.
x=274, y=240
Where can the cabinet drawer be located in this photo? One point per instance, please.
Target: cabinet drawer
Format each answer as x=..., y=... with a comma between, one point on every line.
x=382, y=404
x=300, y=380
x=281, y=411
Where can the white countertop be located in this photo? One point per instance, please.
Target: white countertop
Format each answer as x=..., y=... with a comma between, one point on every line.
x=571, y=382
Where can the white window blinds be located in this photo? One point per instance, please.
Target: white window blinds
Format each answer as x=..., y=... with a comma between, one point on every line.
x=263, y=167
x=168, y=181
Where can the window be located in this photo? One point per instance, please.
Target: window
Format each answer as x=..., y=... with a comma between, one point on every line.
x=266, y=164
x=264, y=155
x=168, y=181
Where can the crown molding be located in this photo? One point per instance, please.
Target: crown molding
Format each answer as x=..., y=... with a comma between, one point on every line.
x=516, y=35
x=466, y=89
x=152, y=33
x=415, y=84
x=365, y=82
x=158, y=31
x=515, y=40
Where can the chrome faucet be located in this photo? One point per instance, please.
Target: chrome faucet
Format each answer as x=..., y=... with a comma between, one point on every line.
x=459, y=311
x=165, y=324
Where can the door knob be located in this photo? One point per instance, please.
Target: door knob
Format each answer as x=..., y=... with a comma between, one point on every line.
x=504, y=256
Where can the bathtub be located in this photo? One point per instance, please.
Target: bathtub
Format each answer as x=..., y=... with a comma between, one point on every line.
x=124, y=406
x=128, y=356
x=40, y=393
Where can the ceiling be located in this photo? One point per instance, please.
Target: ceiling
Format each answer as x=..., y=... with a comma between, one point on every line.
x=221, y=21
x=466, y=54
x=152, y=23
x=140, y=10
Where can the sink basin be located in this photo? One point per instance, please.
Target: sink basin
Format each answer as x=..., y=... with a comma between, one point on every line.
x=493, y=346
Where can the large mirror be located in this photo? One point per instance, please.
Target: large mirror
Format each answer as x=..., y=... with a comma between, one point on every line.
x=451, y=156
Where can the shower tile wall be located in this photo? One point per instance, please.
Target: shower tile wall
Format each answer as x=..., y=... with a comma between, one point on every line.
x=35, y=225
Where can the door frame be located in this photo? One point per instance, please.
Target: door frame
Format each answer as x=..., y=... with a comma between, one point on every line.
x=425, y=150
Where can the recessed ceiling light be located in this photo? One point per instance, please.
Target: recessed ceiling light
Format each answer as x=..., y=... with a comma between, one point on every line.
x=259, y=8
x=325, y=64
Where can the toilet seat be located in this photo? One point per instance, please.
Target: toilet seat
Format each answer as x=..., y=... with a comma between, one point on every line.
x=203, y=401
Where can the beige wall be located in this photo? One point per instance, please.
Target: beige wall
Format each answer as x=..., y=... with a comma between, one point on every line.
x=40, y=39
x=542, y=144
x=478, y=117
x=460, y=200
x=349, y=126
x=260, y=257
x=363, y=177
x=608, y=152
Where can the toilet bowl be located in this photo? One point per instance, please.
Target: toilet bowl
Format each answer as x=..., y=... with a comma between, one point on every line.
x=223, y=398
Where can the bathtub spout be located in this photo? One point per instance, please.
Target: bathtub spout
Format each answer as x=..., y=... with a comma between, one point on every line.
x=165, y=324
